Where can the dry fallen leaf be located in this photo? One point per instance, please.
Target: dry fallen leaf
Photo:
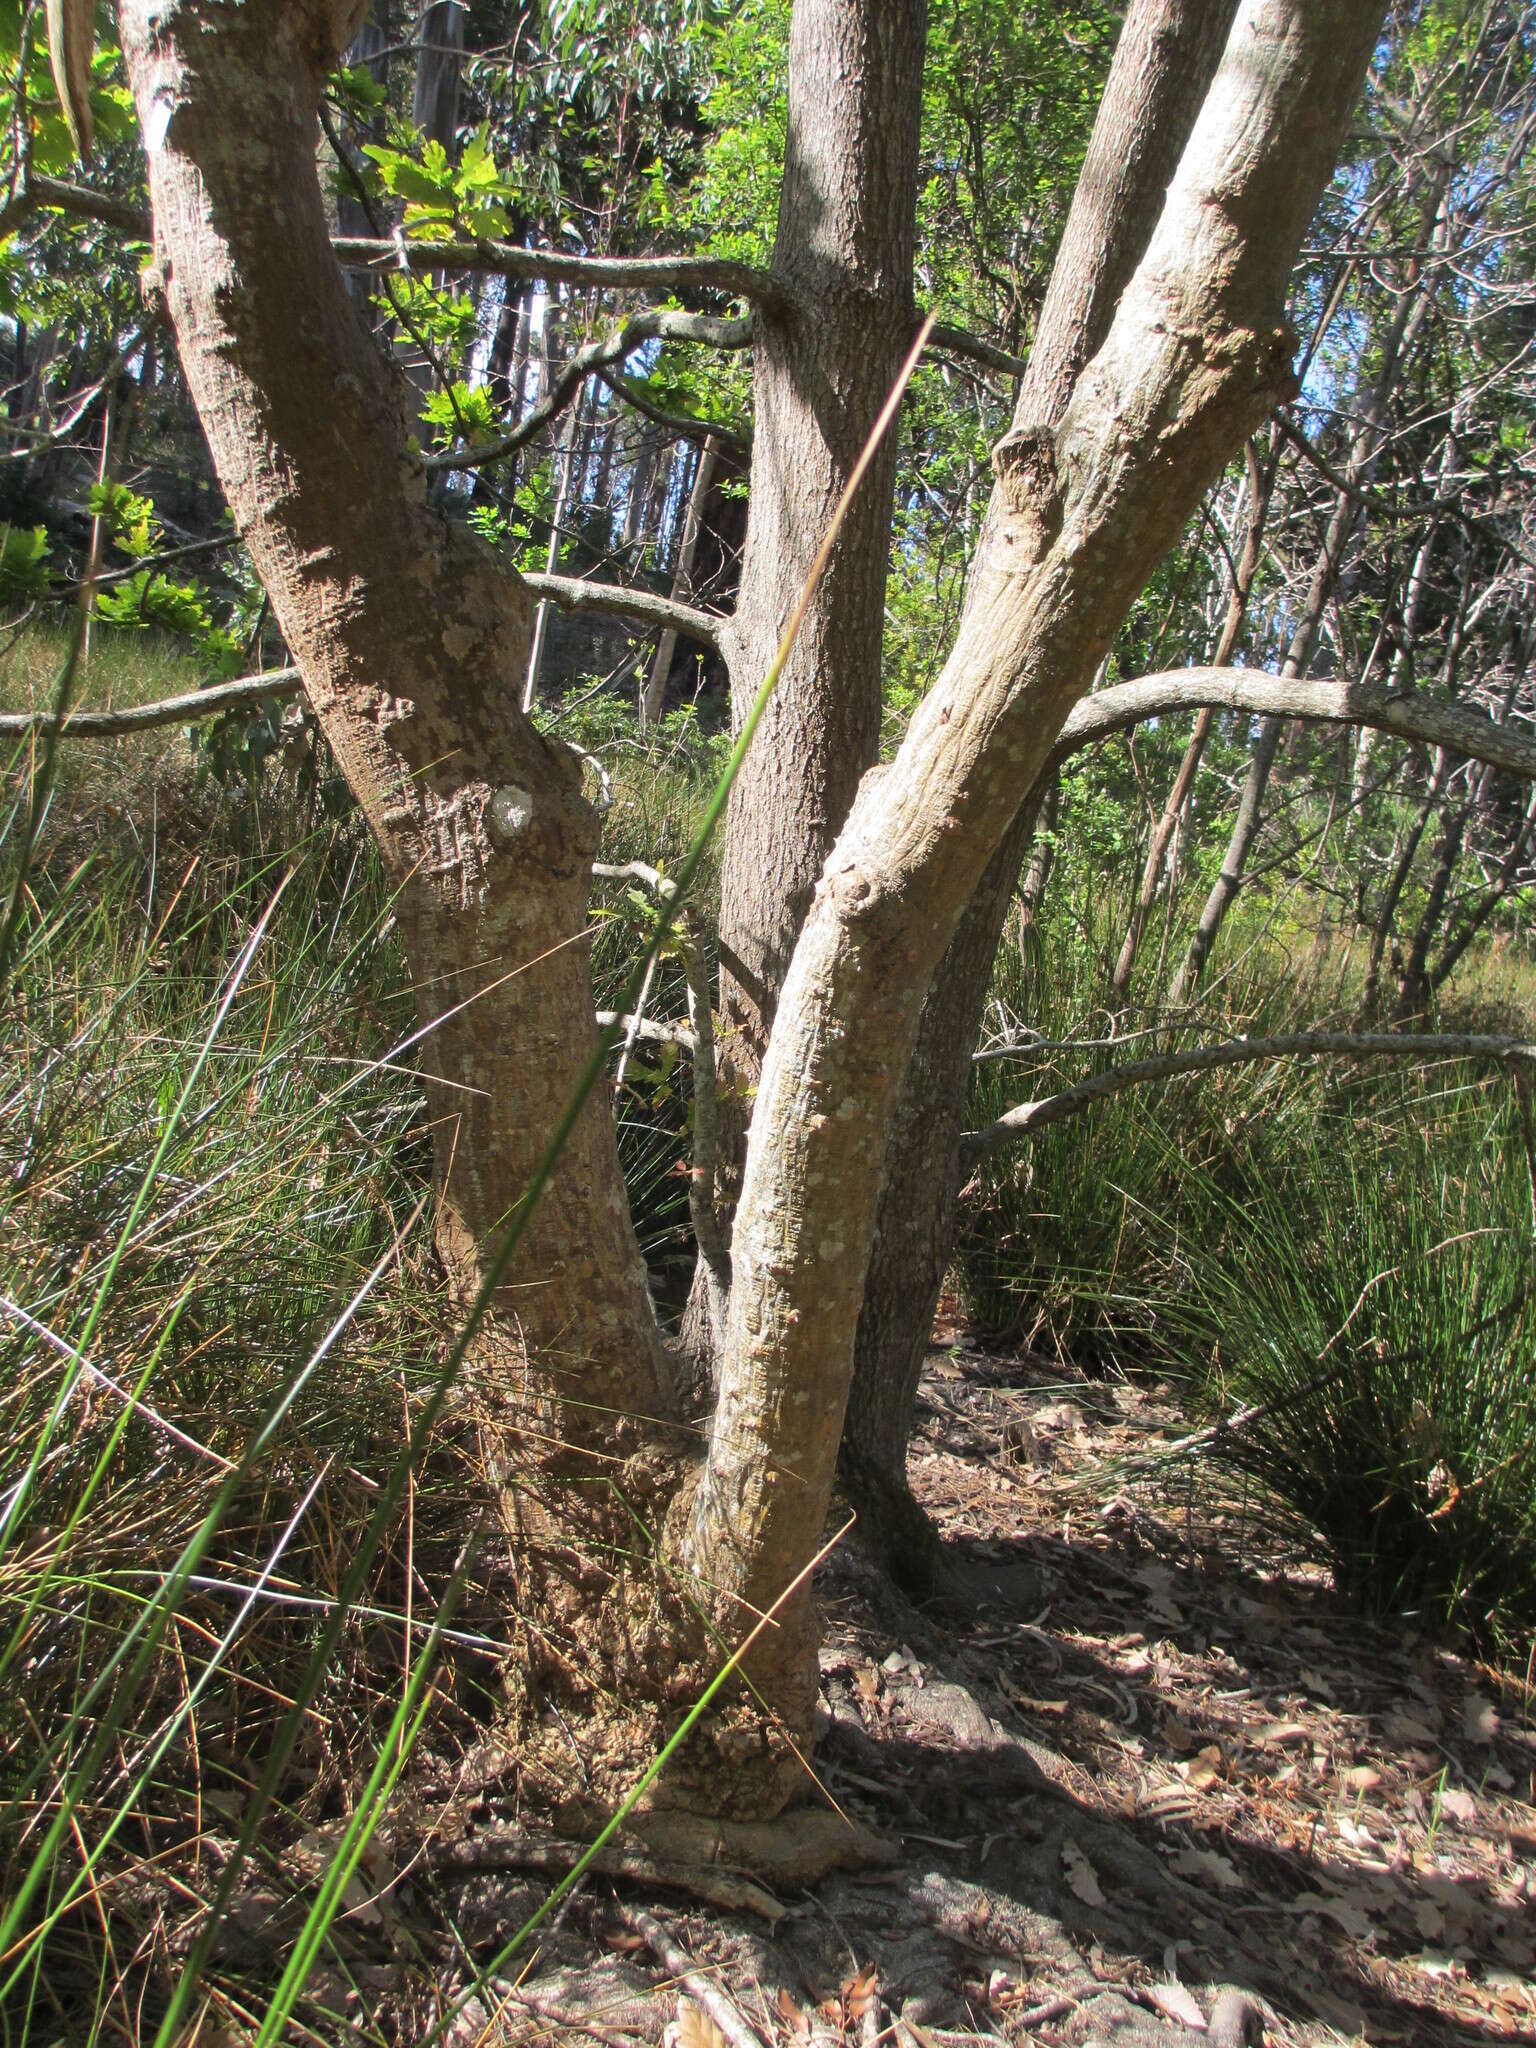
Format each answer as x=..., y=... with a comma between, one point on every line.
x=1479, y=1719
x=693, y=2028
x=1458, y=1805
x=1080, y=1874
x=1280, y=1734
x=1175, y=2003
x=1361, y=1779
x=1205, y=1866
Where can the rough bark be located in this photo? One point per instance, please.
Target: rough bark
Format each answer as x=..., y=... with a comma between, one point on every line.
x=1164, y=63
x=411, y=640
x=1196, y=354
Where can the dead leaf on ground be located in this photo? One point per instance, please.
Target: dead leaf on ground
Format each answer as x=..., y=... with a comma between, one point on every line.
x=693, y=2028
x=1205, y=1866
x=1479, y=1719
x=1081, y=1877
x=1175, y=2003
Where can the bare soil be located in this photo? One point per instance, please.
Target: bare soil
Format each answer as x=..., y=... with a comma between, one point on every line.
x=1142, y=1779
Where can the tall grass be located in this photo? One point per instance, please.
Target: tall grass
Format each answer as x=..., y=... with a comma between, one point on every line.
x=1346, y=1250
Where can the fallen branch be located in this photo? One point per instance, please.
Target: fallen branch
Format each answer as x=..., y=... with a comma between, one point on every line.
x=1029, y=1117
x=1408, y=714
x=511, y=1849
x=678, y=1964
x=105, y=725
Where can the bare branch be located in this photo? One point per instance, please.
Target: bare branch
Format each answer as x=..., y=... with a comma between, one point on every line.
x=657, y=1030
x=681, y=424
x=705, y=329
x=38, y=193
x=1409, y=714
x=606, y=273
x=959, y=341
x=1029, y=1117
x=106, y=725
x=577, y=594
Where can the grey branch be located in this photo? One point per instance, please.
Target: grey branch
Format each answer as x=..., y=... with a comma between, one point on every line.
x=656, y=1029
x=682, y=425
x=606, y=273
x=1029, y=1117
x=1409, y=714
x=959, y=341
x=106, y=725
x=577, y=594
x=707, y=330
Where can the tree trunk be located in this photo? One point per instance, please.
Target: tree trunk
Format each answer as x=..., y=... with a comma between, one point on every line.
x=1164, y=63
x=821, y=371
x=682, y=581
x=439, y=60
x=822, y=367
x=1195, y=356
x=570, y=441
x=411, y=639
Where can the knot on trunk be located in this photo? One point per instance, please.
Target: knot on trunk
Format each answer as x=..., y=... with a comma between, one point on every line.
x=1030, y=483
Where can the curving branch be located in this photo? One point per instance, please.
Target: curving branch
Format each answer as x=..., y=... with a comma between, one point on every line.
x=578, y=594
x=1028, y=1117
x=1408, y=714
x=605, y=273
x=708, y=330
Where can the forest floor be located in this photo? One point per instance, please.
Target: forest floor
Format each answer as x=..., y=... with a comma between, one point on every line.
x=1146, y=1778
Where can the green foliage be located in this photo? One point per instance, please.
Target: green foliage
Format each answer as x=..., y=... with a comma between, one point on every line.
x=444, y=198
x=24, y=552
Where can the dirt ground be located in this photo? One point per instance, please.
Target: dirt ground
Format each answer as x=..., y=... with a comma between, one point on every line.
x=1145, y=1779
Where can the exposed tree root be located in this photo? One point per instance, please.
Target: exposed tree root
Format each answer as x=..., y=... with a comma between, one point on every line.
x=799, y=1848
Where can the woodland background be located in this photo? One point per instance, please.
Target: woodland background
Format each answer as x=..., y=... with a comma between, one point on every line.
x=1202, y=1244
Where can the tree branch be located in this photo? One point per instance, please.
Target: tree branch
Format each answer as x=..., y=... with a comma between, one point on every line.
x=606, y=273
x=106, y=725
x=1408, y=714
x=38, y=192
x=1029, y=1117
x=577, y=594
x=959, y=341
x=683, y=425
x=706, y=329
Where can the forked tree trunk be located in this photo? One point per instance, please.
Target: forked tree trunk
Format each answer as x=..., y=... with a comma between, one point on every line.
x=1196, y=355
x=411, y=638
x=1164, y=63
